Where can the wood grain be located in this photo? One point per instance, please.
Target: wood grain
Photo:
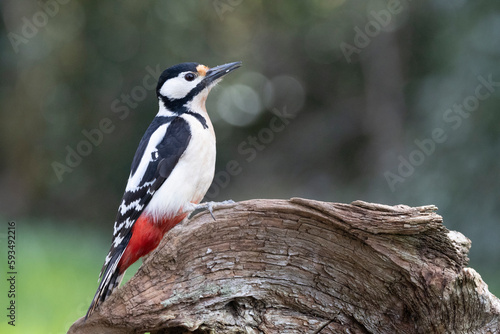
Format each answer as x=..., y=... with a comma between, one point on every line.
x=304, y=266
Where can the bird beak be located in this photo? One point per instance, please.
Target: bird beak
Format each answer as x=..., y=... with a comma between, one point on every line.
x=218, y=71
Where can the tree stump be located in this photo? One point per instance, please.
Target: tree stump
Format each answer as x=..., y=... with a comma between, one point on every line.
x=304, y=266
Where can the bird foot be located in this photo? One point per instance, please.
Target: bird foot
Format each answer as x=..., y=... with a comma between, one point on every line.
x=210, y=206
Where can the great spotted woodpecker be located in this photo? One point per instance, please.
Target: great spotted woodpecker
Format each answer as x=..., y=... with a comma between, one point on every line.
x=172, y=170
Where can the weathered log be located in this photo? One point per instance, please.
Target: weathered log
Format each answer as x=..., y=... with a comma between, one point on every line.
x=303, y=266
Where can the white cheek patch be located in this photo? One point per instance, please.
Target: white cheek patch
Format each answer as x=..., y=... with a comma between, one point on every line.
x=178, y=87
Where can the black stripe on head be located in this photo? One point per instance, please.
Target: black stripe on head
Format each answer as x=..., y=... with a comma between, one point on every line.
x=178, y=105
x=173, y=72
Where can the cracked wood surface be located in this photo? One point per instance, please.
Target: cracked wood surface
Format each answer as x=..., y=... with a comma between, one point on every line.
x=304, y=266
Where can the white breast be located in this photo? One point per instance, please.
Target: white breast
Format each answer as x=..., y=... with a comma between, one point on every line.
x=191, y=177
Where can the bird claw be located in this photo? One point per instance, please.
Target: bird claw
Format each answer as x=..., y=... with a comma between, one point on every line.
x=210, y=206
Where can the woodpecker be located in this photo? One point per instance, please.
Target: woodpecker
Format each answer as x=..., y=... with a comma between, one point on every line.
x=172, y=170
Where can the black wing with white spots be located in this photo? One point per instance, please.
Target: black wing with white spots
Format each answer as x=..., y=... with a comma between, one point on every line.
x=162, y=159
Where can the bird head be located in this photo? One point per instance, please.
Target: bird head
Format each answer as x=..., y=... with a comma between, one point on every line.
x=183, y=83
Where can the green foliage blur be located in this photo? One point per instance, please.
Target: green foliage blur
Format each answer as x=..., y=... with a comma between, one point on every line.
x=385, y=101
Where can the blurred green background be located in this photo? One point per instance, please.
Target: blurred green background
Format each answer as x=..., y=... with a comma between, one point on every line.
x=384, y=101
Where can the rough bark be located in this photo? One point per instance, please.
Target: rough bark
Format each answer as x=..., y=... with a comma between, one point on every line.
x=303, y=266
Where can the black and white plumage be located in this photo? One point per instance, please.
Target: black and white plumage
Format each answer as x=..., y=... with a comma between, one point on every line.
x=171, y=171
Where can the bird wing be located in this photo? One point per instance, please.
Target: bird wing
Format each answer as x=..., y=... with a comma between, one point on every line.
x=156, y=157
x=161, y=160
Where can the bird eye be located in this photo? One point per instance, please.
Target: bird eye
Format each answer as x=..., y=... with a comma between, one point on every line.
x=189, y=76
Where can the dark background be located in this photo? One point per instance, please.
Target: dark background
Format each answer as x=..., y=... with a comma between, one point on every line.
x=383, y=101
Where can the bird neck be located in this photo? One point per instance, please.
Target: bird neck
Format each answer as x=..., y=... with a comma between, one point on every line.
x=200, y=112
x=164, y=111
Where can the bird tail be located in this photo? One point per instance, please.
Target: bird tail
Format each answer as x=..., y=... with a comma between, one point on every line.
x=109, y=282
